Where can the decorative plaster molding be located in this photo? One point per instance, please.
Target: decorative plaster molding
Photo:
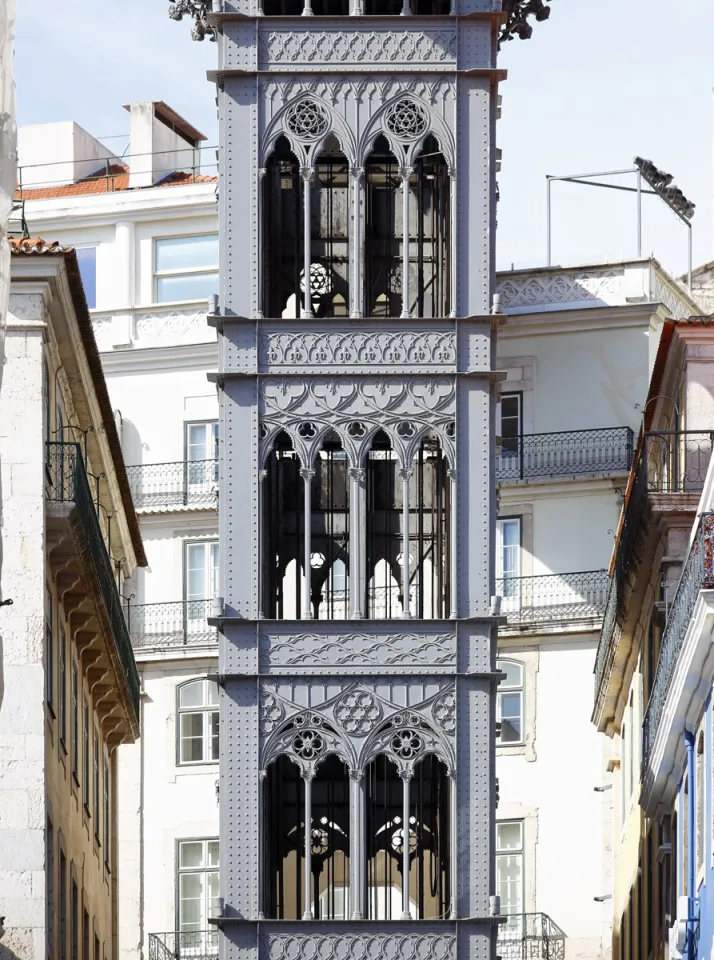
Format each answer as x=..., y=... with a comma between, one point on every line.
x=168, y=327
x=559, y=287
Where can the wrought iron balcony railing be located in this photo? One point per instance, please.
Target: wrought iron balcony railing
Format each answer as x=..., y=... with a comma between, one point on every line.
x=67, y=482
x=565, y=454
x=669, y=462
x=191, y=483
x=698, y=574
x=176, y=624
x=561, y=597
x=526, y=936
x=192, y=945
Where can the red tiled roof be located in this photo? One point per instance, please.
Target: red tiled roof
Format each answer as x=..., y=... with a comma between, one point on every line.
x=114, y=180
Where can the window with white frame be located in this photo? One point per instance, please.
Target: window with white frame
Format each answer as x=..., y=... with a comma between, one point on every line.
x=511, y=422
x=509, y=703
x=186, y=268
x=700, y=806
x=200, y=583
x=202, y=454
x=198, y=721
x=197, y=884
x=508, y=560
x=509, y=868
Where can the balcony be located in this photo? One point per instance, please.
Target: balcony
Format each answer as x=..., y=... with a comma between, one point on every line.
x=170, y=625
x=79, y=554
x=527, y=936
x=698, y=574
x=668, y=479
x=193, y=945
x=553, y=601
x=568, y=453
x=156, y=487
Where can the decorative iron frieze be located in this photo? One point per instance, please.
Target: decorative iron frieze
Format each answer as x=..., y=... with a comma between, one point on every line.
x=315, y=650
x=360, y=946
x=392, y=349
x=389, y=47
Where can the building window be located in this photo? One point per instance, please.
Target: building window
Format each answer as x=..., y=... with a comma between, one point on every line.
x=623, y=773
x=200, y=583
x=202, y=456
x=510, y=412
x=700, y=806
x=85, y=754
x=97, y=948
x=50, y=889
x=63, y=905
x=49, y=653
x=509, y=705
x=509, y=868
x=74, y=922
x=97, y=785
x=46, y=401
x=197, y=886
x=85, y=934
x=63, y=689
x=107, y=819
x=87, y=261
x=685, y=836
x=198, y=721
x=186, y=268
x=631, y=749
x=508, y=562
x=74, y=721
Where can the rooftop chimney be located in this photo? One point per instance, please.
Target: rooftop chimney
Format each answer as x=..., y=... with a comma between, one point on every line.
x=52, y=154
x=162, y=142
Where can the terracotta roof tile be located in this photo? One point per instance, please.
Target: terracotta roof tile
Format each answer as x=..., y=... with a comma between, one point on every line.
x=115, y=180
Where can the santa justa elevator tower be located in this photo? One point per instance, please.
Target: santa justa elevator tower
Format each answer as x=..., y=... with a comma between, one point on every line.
x=357, y=392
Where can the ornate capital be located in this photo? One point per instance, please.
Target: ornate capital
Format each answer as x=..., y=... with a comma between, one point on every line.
x=307, y=173
x=407, y=774
x=357, y=174
x=358, y=473
x=261, y=173
x=199, y=10
x=307, y=473
x=405, y=173
x=262, y=474
x=356, y=776
x=406, y=473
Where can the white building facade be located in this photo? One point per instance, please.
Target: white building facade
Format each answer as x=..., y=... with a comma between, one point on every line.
x=577, y=350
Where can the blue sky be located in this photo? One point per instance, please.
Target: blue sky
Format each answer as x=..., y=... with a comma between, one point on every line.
x=600, y=82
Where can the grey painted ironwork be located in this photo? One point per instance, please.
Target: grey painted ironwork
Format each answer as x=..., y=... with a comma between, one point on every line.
x=188, y=483
x=698, y=574
x=321, y=118
x=553, y=598
x=566, y=453
x=177, y=624
x=529, y=936
x=67, y=482
x=178, y=944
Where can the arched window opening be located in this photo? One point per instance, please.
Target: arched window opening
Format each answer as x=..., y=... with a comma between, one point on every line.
x=383, y=8
x=284, y=839
x=330, y=219
x=329, y=557
x=428, y=840
x=384, y=532
x=384, y=231
x=429, y=233
x=331, y=8
x=330, y=854
x=283, y=533
x=429, y=533
x=283, y=8
x=282, y=232
x=431, y=8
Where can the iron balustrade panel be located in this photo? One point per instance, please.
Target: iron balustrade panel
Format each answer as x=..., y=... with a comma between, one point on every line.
x=677, y=461
x=191, y=944
x=566, y=453
x=67, y=482
x=608, y=628
x=191, y=483
x=553, y=597
x=527, y=936
x=175, y=624
x=698, y=574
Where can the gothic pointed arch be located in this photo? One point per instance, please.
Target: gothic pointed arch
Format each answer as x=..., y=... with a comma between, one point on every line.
x=283, y=524
x=384, y=540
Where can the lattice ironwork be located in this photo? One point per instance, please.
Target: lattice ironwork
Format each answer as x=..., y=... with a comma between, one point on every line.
x=177, y=624
x=529, y=936
x=191, y=483
x=67, y=482
x=193, y=945
x=406, y=119
x=307, y=119
x=566, y=453
x=561, y=597
x=698, y=574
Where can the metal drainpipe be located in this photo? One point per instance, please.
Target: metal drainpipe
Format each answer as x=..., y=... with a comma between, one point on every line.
x=691, y=867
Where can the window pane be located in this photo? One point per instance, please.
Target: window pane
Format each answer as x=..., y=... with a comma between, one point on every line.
x=214, y=735
x=509, y=881
x=199, y=443
x=87, y=260
x=191, y=694
x=212, y=853
x=196, y=571
x=212, y=691
x=198, y=286
x=187, y=253
x=510, y=711
x=509, y=836
x=514, y=674
x=191, y=854
x=192, y=737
